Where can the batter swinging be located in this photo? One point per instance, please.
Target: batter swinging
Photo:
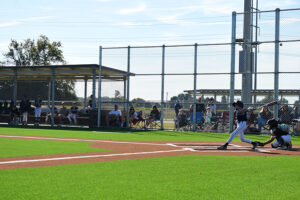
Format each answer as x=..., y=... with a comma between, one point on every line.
x=242, y=116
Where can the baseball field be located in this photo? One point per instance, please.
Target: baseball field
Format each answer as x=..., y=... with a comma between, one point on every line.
x=45, y=163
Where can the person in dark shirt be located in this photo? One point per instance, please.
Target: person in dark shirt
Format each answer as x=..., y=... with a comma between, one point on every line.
x=200, y=109
x=5, y=108
x=11, y=105
x=1, y=107
x=73, y=113
x=285, y=115
x=283, y=138
x=38, y=109
x=90, y=104
x=177, y=107
x=14, y=116
x=154, y=115
x=24, y=109
x=242, y=117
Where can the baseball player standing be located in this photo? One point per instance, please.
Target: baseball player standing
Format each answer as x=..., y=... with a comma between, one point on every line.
x=242, y=117
x=38, y=109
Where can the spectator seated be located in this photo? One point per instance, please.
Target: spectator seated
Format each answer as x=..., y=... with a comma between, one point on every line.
x=114, y=117
x=153, y=120
x=136, y=118
x=182, y=121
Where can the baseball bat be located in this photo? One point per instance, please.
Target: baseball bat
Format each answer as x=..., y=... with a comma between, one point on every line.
x=268, y=104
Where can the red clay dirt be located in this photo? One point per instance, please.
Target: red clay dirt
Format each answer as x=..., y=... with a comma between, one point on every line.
x=126, y=150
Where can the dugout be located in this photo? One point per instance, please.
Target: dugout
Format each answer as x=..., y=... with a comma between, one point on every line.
x=52, y=73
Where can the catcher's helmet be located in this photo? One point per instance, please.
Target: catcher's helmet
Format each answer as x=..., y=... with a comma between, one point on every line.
x=273, y=123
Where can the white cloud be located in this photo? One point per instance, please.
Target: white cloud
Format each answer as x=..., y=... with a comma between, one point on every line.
x=127, y=11
x=23, y=20
x=6, y=24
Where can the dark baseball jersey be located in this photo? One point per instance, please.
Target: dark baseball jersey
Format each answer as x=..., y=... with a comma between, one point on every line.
x=241, y=116
x=74, y=110
x=38, y=103
x=279, y=132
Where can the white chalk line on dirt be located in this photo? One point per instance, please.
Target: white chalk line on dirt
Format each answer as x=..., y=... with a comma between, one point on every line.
x=195, y=145
x=79, y=140
x=91, y=156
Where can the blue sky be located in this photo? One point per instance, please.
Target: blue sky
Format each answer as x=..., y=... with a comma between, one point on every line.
x=83, y=25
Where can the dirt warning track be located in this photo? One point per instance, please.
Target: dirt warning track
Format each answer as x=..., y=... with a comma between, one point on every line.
x=125, y=150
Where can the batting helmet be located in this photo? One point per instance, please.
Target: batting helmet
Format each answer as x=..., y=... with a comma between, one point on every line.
x=239, y=103
x=273, y=123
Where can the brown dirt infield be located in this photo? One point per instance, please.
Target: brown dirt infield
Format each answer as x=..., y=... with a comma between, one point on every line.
x=126, y=150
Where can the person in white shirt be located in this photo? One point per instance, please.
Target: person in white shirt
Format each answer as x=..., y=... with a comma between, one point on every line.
x=133, y=116
x=115, y=117
x=212, y=106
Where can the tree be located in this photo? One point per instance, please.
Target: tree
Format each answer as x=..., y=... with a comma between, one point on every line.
x=40, y=52
x=139, y=102
x=117, y=94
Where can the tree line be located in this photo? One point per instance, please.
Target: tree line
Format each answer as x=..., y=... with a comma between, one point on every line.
x=38, y=52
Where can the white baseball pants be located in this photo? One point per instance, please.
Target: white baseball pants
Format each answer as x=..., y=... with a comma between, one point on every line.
x=241, y=127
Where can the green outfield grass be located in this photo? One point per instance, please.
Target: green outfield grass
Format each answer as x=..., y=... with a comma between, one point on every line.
x=10, y=147
x=180, y=177
x=130, y=135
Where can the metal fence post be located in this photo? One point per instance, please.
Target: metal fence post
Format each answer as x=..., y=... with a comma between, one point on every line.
x=162, y=88
x=85, y=92
x=94, y=89
x=195, y=86
x=128, y=87
x=232, y=71
x=99, y=88
x=124, y=91
x=52, y=96
x=15, y=88
x=276, y=63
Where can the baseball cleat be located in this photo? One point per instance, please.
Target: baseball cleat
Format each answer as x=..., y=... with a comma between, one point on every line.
x=223, y=147
x=282, y=148
x=254, y=145
x=289, y=146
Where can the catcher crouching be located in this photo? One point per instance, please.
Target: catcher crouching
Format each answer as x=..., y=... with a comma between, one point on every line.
x=283, y=138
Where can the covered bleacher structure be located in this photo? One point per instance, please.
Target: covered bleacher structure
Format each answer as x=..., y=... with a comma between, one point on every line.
x=51, y=73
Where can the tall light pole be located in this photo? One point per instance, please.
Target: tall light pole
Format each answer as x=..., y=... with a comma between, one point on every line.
x=247, y=52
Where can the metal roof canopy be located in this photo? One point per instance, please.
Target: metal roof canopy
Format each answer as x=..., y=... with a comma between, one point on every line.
x=262, y=92
x=44, y=72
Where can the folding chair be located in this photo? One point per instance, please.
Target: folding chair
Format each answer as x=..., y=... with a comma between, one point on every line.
x=140, y=122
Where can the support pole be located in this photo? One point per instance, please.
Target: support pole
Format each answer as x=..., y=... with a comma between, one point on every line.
x=124, y=96
x=85, y=92
x=256, y=51
x=247, y=49
x=52, y=97
x=99, y=88
x=49, y=93
x=195, y=85
x=162, y=88
x=232, y=71
x=128, y=87
x=94, y=89
x=298, y=111
x=15, y=88
x=276, y=66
